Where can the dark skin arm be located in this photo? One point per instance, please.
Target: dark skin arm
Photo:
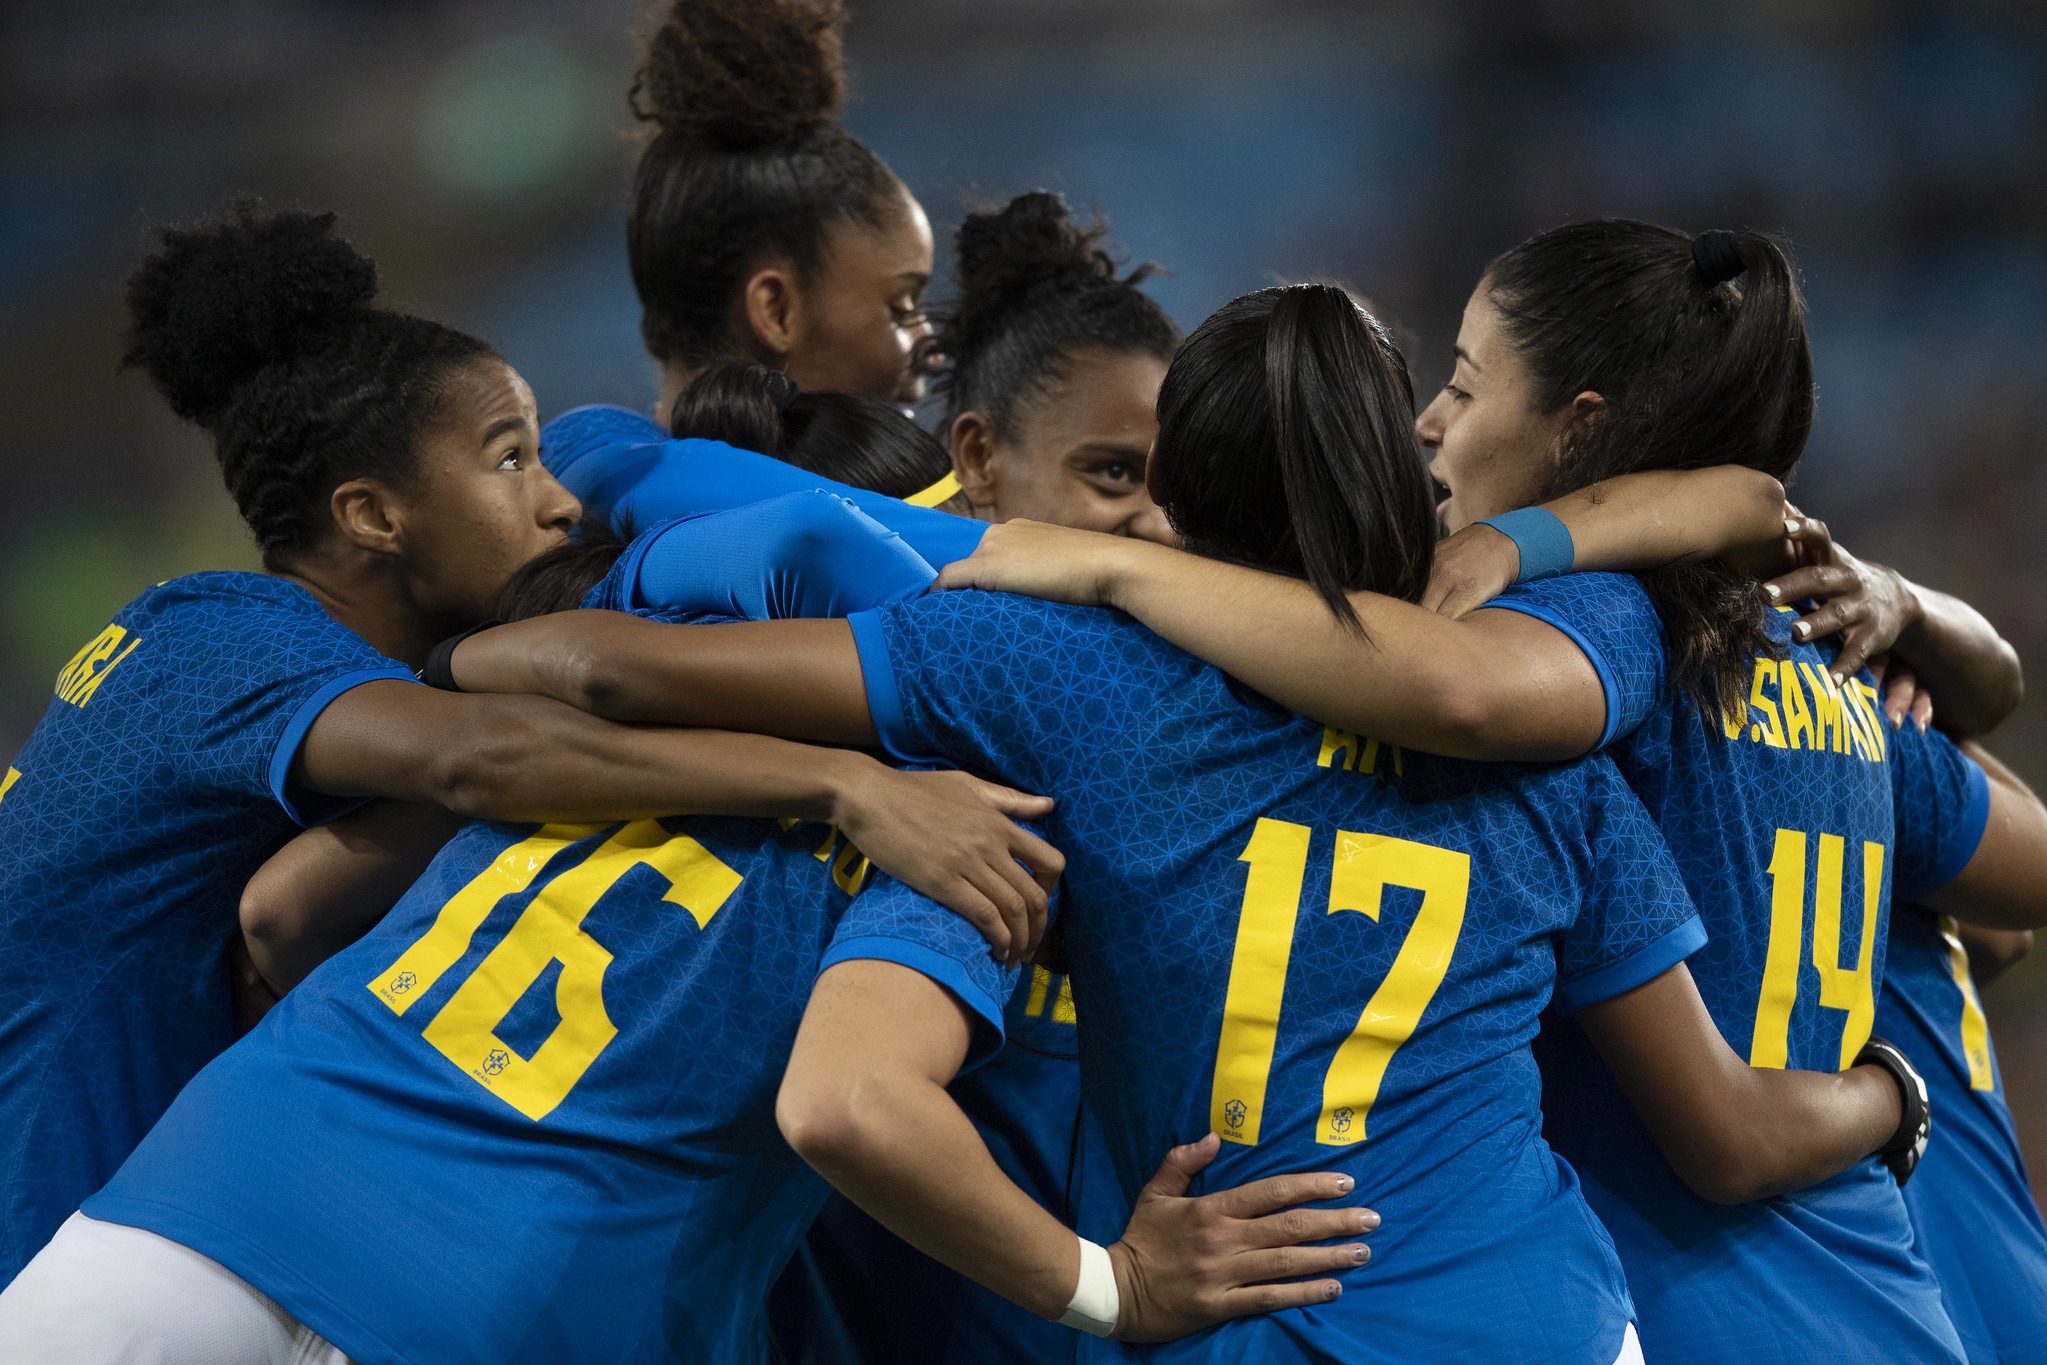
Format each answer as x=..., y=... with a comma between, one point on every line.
x=330, y=885
x=864, y=1101
x=1993, y=952
x=1733, y=1132
x=528, y=758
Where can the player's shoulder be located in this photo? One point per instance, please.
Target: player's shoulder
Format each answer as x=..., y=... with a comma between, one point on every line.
x=580, y=430
x=220, y=599
x=1585, y=597
x=1071, y=638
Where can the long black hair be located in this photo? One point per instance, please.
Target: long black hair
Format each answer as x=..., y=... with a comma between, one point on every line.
x=747, y=161
x=858, y=441
x=261, y=328
x=1287, y=442
x=1699, y=348
x=1035, y=290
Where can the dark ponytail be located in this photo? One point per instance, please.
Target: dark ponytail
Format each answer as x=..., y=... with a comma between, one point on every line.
x=747, y=161
x=859, y=441
x=261, y=329
x=1035, y=288
x=1698, y=346
x=1287, y=442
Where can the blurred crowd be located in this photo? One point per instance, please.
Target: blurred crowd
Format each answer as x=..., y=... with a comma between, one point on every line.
x=480, y=154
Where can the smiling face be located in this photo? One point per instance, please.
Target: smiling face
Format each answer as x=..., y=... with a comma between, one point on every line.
x=1492, y=450
x=480, y=504
x=861, y=327
x=1077, y=453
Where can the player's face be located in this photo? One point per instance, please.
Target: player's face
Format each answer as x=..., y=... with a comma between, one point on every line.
x=1078, y=453
x=1493, y=450
x=483, y=504
x=861, y=328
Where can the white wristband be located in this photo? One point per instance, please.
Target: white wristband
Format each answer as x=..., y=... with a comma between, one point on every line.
x=1096, y=1304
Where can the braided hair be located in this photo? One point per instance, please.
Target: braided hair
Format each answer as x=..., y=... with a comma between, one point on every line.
x=1699, y=347
x=260, y=329
x=1035, y=289
x=747, y=160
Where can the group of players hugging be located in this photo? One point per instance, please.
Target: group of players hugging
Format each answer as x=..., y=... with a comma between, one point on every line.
x=766, y=882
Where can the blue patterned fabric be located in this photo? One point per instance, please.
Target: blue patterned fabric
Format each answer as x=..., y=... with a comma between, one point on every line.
x=1212, y=994
x=530, y=1117
x=631, y=472
x=1972, y=1209
x=157, y=781
x=1790, y=820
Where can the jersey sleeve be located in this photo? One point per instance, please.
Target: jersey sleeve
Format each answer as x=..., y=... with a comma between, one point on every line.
x=1611, y=619
x=1635, y=919
x=889, y=922
x=632, y=473
x=247, y=686
x=1940, y=800
x=808, y=554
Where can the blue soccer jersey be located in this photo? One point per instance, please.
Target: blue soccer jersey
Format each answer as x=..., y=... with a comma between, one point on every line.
x=1971, y=1206
x=530, y=1117
x=1789, y=818
x=631, y=472
x=157, y=781
x=1216, y=846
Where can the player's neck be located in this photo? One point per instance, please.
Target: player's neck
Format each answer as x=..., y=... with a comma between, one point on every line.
x=367, y=594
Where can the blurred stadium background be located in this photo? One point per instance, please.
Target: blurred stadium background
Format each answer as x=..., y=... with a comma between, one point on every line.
x=481, y=151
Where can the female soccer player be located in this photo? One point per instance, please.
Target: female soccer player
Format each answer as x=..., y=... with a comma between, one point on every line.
x=387, y=468
x=1053, y=370
x=759, y=228
x=1586, y=352
x=1395, y=1038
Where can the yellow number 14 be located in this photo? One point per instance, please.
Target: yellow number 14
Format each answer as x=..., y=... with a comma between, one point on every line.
x=1366, y=864
x=1851, y=989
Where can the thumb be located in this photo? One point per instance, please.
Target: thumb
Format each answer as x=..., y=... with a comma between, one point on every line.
x=1176, y=1173
x=958, y=574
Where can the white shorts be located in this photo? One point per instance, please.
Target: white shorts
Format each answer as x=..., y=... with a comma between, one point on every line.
x=108, y=1294
x=1631, y=1349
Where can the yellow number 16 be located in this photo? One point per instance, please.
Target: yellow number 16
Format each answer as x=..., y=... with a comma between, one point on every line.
x=550, y=929
x=1365, y=865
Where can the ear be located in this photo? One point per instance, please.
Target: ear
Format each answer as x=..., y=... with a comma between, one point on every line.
x=1152, y=482
x=368, y=517
x=1576, y=418
x=1588, y=407
x=973, y=458
x=773, y=311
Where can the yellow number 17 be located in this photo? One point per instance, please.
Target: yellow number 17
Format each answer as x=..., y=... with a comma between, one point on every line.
x=1365, y=865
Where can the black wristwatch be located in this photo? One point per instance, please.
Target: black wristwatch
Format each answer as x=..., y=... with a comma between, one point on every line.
x=440, y=663
x=1906, y=1146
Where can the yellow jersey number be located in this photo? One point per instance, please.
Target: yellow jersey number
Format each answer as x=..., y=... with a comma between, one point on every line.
x=1850, y=989
x=1365, y=865
x=550, y=929
x=1975, y=1028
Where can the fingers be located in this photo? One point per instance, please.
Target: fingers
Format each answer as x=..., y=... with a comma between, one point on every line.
x=1901, y=690
x=1829, y=619
x=1046, y=863
x=961, y=573
x=1857, y=646
x=1011, y=802
x=1922, y=711
x=1810, y=534
x=1271, y=1298
x=1034, y=901
x=1820, y=581
x=1286, y=1263
x=1176, y=1173
x=1010, y=907
x=1293, y=1226
x=1281, y=1191
x=972, y=905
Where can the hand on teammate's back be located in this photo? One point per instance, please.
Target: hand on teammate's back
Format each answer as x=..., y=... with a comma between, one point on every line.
x=1868, y=605
x=1188, y=1263
x=1469, y=570
x=1054, y=563
x=955, y=838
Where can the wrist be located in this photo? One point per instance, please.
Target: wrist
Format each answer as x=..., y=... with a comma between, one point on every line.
x=845, y=779
x=1125, y=569
x=1125, y=1268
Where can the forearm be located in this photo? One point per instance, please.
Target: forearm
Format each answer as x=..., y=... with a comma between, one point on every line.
x=1993, y=952
x=2001, y=887
x=920, y=1169
x=329, y=886
x=1477, y=687
x=1797, y=1128
x=1972, y=672
x=800, y=679
x=1644, y=521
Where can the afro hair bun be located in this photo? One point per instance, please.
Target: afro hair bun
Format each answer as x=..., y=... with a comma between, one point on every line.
x=742, y=74
x=213, y=305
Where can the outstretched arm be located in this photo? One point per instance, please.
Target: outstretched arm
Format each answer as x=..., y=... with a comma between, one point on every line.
x=864, y=1101
x=1733, y=1132
x=948, y=835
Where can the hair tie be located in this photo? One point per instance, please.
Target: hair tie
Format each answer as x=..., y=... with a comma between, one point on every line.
x=1716, y=255
x=781, y=389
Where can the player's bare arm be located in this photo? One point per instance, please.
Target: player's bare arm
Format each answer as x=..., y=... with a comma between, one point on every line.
x=864, y=1101
x=1733, y=1132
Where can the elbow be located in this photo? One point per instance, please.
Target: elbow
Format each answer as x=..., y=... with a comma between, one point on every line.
x=1761, y=495
x=1728, y=1173
x=266, y=917
x=590, y=679
x=824, y=1121
x=479, y=771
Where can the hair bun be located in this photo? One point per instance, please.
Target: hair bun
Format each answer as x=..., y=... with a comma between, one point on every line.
x=1716, y=255
x=1027, y=241
x=213, y=305
x=743, y=73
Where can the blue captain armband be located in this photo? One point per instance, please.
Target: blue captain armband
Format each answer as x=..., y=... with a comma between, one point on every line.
x=1544, y=542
